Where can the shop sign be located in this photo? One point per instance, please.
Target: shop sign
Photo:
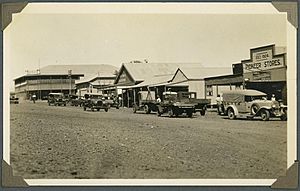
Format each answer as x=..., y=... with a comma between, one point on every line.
x=264, y=65
x=261, y=76
x=262, y=56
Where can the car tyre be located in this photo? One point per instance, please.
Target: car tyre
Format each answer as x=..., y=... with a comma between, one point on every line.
x=170, y=112
x=265, y=115
x=106, y=109
x=190, y=114
x=254, y=109
x=84, y=108
x=134, y=109
x=202, y=112
x=231, y=114
x=147, y=109
x=283, y=117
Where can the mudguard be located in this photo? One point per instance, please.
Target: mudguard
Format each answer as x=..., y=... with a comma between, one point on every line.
x=236, y=112
x=261, y=108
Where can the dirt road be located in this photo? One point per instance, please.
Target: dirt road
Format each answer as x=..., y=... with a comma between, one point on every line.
x=66, y=142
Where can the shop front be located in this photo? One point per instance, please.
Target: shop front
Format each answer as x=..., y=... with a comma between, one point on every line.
x=266, y=72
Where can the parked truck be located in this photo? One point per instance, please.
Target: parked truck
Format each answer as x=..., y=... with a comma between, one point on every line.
x=146, y=102
x=178, y=103
x=190, y=97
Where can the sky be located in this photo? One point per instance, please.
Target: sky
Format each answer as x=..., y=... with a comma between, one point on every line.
x=38, y=39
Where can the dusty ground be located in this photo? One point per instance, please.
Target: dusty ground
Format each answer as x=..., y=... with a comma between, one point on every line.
x=66, y=142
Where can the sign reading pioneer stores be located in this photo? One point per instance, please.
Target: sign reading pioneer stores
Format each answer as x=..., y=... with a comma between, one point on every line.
x=264, y=65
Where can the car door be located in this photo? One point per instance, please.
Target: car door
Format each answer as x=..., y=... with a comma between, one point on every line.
x=241, y=104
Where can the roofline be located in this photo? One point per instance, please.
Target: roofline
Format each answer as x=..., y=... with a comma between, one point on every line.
x=86, y=81
x=31, y=75
x=266, y=46
x=119, y=73
x=222, y=76
x=176, y=74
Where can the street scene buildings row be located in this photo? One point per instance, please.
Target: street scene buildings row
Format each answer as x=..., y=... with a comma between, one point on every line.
x=265, y=71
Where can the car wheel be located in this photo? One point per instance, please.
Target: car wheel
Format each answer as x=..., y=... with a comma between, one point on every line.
x=283, y=117
x=254, y=109
x=158, y=113
x=147, y=109
x=170, y=112
x=202, y=112
x=84, y=108
x=265, y=115
x=98, y=109
x=190, y=114
x=106, y=109
x=134, y=109
x=231, y=114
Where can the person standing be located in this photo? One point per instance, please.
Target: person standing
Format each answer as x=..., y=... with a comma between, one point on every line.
x=273, y=98
x=33, y=98
x=158, y=100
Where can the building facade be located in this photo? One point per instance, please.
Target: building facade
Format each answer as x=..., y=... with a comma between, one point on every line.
x=43, y=84
x=264, y=71
x=95, y=84
x=56, y=78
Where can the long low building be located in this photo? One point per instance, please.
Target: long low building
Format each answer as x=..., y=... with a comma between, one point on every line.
x=55, y=78
x=160, y=77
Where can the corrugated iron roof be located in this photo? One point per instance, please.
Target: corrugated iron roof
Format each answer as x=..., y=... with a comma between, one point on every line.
x=145, y=71
x=91, y=78
x=87, y=70
x=198, y=73
x=156, y=79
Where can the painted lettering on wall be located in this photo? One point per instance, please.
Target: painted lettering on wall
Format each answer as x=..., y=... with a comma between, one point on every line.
x=262, y=56
x=264, y=65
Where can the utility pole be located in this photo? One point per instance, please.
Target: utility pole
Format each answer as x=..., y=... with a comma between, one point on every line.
x=70, y=78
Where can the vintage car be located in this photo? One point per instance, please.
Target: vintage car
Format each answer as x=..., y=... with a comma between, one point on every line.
x=95, y=101
x=250, y=104
x=172, y=105
x=112, y=101
x=13, y=99
x=57, y=99
x=75, y=100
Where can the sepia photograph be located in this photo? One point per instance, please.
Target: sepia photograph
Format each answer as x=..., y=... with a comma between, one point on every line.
x=170, y=93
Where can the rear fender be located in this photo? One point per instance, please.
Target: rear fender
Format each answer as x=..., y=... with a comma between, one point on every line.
x=235, y=110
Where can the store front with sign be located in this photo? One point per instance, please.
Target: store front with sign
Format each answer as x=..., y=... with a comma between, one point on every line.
x=266, y=72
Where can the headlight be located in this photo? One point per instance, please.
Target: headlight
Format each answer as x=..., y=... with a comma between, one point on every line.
x=273, y=106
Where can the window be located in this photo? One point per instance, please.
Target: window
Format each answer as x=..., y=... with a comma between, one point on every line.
x=209, y=90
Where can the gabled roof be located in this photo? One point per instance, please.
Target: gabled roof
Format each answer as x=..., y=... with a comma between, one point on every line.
x=203, y=72
x=143, y=71
x=157, y=79
x=93, y=78
x=199, y=73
